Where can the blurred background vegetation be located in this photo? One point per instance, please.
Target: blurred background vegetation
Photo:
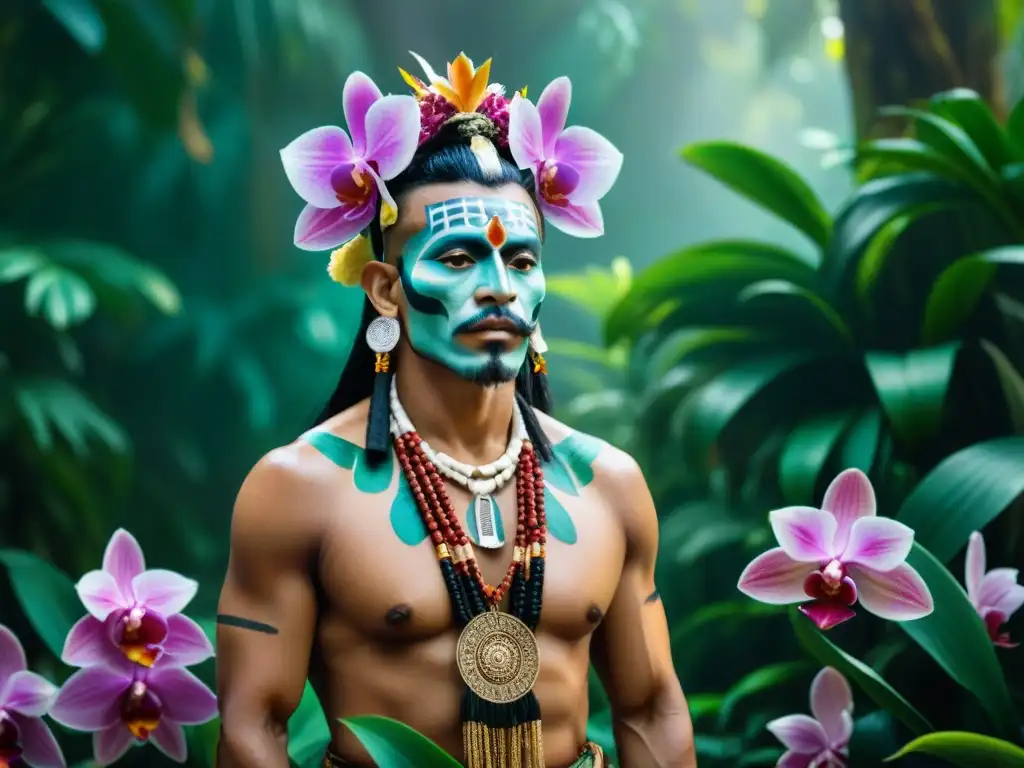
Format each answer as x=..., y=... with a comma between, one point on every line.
x=159, y=332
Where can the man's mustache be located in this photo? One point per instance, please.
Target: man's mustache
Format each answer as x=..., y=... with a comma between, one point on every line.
x=497, y=318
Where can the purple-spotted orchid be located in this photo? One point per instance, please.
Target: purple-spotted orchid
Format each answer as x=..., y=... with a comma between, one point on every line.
x=574, y=167
x=123, y=704
x=995, y=595
x=340, y=175
x=135, y=610
x=820, y=741
x=25, y=740
x=837, y=556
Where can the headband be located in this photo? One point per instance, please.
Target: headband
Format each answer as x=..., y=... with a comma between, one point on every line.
x=342, y=176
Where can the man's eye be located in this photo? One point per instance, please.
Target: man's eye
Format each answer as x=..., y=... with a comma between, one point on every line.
x=457, y=260
x=523, y=262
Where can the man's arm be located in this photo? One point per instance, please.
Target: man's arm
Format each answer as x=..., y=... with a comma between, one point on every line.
x=267, y=614
x=631, y=650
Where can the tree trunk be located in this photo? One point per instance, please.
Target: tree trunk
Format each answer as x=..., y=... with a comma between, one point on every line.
x=901, y=51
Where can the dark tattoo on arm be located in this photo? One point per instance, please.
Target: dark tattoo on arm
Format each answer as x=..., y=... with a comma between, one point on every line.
x=654, y=597
x=237, y=621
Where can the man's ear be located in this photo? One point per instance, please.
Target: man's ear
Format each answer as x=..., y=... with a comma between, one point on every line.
x=383, y=287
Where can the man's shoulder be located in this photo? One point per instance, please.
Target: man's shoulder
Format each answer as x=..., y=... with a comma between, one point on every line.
x=610, y=468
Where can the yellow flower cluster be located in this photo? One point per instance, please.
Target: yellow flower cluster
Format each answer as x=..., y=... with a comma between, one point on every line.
x=346, y=265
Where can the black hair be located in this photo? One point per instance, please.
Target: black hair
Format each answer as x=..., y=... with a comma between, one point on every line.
x=447, y=157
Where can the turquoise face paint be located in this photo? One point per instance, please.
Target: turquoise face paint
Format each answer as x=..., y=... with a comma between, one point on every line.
x=497, y=244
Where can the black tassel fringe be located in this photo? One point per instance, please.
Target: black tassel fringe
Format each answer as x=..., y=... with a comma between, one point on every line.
x=378, y=423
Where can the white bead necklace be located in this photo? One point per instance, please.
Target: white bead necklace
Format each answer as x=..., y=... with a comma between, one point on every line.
x=482, y=481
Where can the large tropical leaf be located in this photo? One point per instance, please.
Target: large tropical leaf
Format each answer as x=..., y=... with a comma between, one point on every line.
x=715, y=270
x=59, y=296
x=955, y=293
x=807, y=449
x=1015, y=128
x=52, y=407
x=968, y=110
x=596, y=289
x=82, y=20
x=46, y=595
x=759, y=681
x=392, y=744
x=963, y=494
x=787, y=294
x=1010, y=381
x=952, y=142
x=954, y=635
x=968, y=750
x=859, y=673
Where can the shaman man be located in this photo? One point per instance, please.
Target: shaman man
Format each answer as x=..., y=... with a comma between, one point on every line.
x=437, y=549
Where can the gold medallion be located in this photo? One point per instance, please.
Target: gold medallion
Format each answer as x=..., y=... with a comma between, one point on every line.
x=497, y=657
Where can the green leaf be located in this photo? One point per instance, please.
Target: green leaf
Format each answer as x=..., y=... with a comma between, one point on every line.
x=958, y=288
x=732, y=611
x=874, y=738
x=702, y=271
x=857, y=672
x=1010, y=381
x=951, y=141
x=82, y=20
x=766, y=181
x=46, y=595
x=807, y=449
x=759, y=681
x=581, y=352
x=711, y=408
x=912, y=388
x=60, y=296
x=18, y=263
x=308, y=732
x=762, y=756
x=704, y=704
x=879, y=248
x=968, y=110
x=963, y=494
x=391, y=744
x=859, y=447
x=787, y=291
x=954, y=635
x=596, y=289
x=687, y=341
x=1015, y=128
x=52, y=406
x=911, y=155
x=970, y=750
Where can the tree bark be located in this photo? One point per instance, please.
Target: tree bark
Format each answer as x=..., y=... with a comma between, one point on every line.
x=901, y=51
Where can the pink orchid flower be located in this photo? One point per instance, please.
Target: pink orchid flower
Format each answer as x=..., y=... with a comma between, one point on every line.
x=574, y=167
x=24, y=698
x=995, y=595
x=342, y=178
x=123, y=704
x=135, y=610
x=837, y=555
x=821, y=741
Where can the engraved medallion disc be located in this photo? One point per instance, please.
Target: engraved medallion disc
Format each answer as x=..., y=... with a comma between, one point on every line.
x=497, y=657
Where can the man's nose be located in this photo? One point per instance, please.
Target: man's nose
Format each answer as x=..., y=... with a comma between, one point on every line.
x=496, y=289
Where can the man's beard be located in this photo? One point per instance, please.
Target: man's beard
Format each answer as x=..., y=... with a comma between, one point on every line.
x=495, y=372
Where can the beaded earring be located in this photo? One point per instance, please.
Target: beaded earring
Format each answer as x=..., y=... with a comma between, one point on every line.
x=381, y=337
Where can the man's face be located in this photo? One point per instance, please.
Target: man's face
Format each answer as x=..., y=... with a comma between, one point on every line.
x=472, y=278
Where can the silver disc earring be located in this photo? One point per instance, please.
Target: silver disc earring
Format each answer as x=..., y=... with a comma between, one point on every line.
x=382, y=335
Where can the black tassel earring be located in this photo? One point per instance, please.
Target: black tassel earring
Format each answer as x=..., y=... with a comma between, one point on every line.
x=381, y=337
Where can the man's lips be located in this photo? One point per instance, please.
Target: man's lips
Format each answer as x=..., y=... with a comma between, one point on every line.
x=495, y=324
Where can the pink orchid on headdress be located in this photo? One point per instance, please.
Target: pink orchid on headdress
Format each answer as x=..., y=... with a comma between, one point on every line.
x=575, y=167
x=995, y=595
x=124, y=703
x=820, y=741
x=134, y=610
x=341, y=178
x=837, y=555
x=24, y=698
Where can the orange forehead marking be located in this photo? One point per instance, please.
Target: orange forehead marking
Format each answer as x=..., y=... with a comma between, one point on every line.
x=496, y=234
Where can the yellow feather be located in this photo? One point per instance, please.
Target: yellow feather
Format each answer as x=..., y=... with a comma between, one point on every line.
x=347, y=262
x=417, y=85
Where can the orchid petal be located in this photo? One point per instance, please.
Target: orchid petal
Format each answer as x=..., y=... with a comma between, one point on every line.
x=309, y=160
x=359, y=95
x=110, y=744
x=100, y=594
x=164, y=591
x=39, y=748
x=12, y=655
x=804, y=533
x=123, y=559
x=832, y=703
x=169, y=738
x=392, y=134
x=186, y=700
x=997, y=590
x=848, y=497
x=826, y=615
x=525, y=133
x=87, y=643
x=319, y=229
x=1009, y=601
x=28, y=694
x=91, y=698
x=795, y=760
x=595, y=158
x=974, y=566
x=582, y=220
x=898, y=595
x=775, y=578
x=799, y=733
x=186, y=642
x=878, y=543
x=553, y=108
